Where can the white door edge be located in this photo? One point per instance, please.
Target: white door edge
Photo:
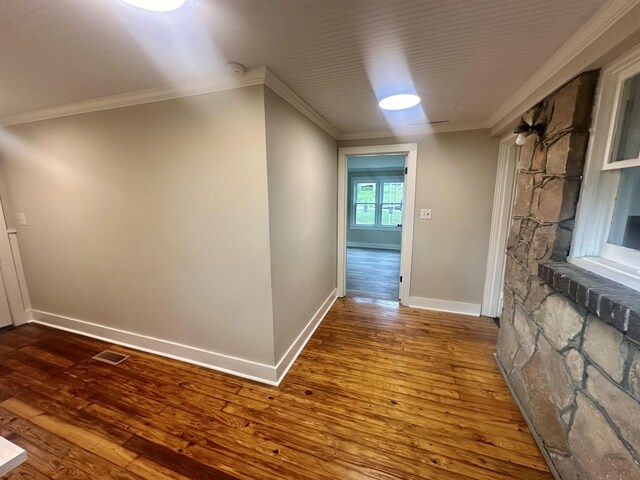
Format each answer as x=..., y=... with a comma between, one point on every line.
x=500, y=224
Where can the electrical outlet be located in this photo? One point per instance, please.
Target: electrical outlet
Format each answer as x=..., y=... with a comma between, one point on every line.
x=22, y=219
x=425, y=214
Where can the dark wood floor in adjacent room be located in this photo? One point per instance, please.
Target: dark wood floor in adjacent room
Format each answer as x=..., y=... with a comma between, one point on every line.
x=373, y=273
x=380, y=392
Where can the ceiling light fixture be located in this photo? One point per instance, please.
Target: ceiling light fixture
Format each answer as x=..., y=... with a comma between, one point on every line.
x=399, y=102
x=156, y=5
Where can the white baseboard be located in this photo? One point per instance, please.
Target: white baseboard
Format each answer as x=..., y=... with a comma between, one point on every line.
x=379, y=246
x=299, y=343
x=260, y=372
x=444, y=306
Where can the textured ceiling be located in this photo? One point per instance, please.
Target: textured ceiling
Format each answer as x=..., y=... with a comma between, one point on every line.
x=464, y=57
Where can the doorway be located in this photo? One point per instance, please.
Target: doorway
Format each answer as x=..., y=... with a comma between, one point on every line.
x=375, y=193
x=375, y=230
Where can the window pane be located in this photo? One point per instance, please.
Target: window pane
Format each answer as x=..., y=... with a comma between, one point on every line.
x=392, y=192
x=365, y=214
x=627, y=136
x=625, y=224
x=391, y=214
x=365, y=192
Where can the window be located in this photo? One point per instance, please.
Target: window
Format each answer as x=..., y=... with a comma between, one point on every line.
x=391, y=208
x=626, y=147
x=377, y=202
x=365, y=203
x=607, y=234
x=625, y=223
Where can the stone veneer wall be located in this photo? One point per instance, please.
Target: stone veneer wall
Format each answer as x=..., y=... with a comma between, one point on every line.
x=576, y=377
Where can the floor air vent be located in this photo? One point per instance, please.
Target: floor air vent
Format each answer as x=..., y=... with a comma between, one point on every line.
x=110, y=357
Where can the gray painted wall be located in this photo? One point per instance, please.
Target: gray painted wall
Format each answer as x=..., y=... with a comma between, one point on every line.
x=151, y=219
x=303, y=175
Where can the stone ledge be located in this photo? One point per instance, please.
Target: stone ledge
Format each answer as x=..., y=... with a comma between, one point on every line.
x=613, y=303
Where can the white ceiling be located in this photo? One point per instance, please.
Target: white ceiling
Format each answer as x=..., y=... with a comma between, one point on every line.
x=464, y=57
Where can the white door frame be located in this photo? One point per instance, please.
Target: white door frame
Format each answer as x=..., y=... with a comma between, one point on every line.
x=500, y=224
x=12, y=274
x=411, y=151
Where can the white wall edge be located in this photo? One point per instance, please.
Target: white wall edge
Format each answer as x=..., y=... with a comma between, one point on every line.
x=379, y=246
x=280, y=88
x=611, y=25
x=448, y=306
x=289, y=358
x=248, y=369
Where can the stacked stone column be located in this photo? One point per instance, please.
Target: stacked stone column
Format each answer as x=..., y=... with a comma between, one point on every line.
x=577, y=378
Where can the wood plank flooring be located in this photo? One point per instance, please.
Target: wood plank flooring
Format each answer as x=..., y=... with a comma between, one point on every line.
x=380, y=392
x=373, y=273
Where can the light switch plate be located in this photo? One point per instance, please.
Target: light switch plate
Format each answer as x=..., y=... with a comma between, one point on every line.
x=22, y=219
x=425, y=214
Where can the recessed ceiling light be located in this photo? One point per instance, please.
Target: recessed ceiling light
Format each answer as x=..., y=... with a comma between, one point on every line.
x=156, y=5
x=399, y=102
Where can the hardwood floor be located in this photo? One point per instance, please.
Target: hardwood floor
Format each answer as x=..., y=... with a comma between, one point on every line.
x=373, y=273
x=380, y=392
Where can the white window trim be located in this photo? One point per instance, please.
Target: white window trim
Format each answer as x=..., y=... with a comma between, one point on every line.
x=378, y=202
x=590, y=249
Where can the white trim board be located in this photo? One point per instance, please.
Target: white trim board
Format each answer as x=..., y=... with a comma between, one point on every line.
x=411, y=152
x=259, y=372
x=378, y=246
x=500, y=224
x=616, y=21
x=448, y=306
x=22, y=281
x=12, y=274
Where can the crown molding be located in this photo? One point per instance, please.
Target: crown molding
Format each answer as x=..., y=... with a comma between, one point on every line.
x=254, y=76
x=279, y=87
x=616, y=21
x=415, y=130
